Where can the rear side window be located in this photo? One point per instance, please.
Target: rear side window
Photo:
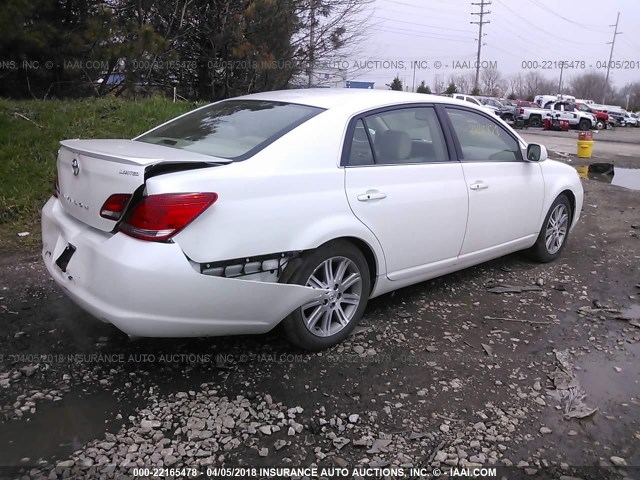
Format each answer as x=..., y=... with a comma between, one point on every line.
x=361, y=153
x=401, y=136
x=483, y=139
x=233, y=129
x=408, y=135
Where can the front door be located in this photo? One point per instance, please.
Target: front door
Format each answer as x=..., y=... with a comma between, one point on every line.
x=506, y=192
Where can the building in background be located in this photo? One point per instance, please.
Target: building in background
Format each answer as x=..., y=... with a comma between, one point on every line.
x=354, y=84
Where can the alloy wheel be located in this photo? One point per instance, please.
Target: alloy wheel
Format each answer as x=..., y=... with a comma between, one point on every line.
x=557, y=229
x=341, y=280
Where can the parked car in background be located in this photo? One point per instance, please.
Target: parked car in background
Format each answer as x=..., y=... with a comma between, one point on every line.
x=616, y=118
x=491, y=103
x=531, y=113
x=602, y=118
x=566, y=110
x=295, y=207
x=637, y=117
x=471, y=99
x=630, y=120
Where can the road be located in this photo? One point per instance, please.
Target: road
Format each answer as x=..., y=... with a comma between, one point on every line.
x=444, y=373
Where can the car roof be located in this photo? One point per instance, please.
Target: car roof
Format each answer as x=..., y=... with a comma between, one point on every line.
x=348, y=97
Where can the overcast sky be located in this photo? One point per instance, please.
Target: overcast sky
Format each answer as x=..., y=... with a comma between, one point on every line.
x=520, y=30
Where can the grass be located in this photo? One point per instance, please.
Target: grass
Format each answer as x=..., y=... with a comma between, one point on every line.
x=28, y=147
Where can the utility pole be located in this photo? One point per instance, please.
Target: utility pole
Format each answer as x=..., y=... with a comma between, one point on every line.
x=560, y=82
x=413, y=87
x=312, y=44
x=613, y=44
x=480, y=23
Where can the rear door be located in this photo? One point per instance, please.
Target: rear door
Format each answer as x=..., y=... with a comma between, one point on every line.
x=402, y=184
x=506, y=192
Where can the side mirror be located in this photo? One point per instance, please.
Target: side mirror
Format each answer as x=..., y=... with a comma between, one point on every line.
x=536, y=152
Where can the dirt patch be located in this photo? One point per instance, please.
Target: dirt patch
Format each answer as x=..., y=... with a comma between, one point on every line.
x=442, y=373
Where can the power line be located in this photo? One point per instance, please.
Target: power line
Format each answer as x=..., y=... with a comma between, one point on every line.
x=548, y=9
x=422, y=7
x=414, y=33
x=613, y=44
x=480, y=23
x=552, y=35
x=404, y=22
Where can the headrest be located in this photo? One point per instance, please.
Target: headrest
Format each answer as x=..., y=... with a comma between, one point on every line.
x=393, y=145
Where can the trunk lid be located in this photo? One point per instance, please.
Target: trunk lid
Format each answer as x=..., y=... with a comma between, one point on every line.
x=90, y=171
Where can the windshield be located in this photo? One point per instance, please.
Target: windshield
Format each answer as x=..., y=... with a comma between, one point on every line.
x=234, y=129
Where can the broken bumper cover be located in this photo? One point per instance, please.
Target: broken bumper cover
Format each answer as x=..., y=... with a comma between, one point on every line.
x=149, y=289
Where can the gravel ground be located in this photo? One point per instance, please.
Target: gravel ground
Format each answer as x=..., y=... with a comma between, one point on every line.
x=462, y=371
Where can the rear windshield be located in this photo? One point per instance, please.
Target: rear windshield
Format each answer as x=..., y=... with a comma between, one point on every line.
x=233, y=129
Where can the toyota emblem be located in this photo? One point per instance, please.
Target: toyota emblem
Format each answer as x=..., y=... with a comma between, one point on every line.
x=75, y=167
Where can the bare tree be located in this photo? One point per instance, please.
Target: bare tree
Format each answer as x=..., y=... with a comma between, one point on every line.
x=537, y=84
x=492, y=83
x=464, y=82
x=438, y=84
x=329, y=34
x=516, y=85
x=587, y=85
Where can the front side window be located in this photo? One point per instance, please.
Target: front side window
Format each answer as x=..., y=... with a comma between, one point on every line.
x=483, y=139
x=408, y=135
x=233, y=129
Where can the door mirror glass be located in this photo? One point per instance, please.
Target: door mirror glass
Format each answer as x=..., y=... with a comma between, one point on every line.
x=536, y=152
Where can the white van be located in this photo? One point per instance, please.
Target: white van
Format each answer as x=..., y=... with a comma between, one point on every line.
x=543, y=100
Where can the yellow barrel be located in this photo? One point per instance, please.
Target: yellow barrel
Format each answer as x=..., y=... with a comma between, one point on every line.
x=585, y=148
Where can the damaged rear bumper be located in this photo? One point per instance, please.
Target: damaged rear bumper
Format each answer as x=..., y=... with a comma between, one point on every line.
x=149, y=289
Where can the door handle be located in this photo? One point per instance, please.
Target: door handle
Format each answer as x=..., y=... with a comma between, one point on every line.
x=478, y=185
x=371, y=195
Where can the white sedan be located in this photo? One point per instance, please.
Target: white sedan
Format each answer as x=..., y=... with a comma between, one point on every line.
x=295, y=207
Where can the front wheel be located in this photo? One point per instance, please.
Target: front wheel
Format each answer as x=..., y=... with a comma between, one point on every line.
x=554, y=233
x=599, y=125
x=340, y=272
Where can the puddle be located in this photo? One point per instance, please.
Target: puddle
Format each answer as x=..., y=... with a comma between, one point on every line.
x=632, y=313
x=607, y=173
x=58, y=429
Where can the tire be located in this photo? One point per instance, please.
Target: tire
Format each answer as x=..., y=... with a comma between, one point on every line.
x=599, y=125
x=584, y=125
x=323, y=323
x=535, y=121
x=507, y=117
x=551, y=241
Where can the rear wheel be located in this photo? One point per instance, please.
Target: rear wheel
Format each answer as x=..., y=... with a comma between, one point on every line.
x=554, y=233
x=340, y=271
x=535, y=121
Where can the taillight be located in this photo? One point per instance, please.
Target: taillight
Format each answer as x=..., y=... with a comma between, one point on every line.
x=522, y=111
x=159, y=217
x=56, y=187
x=115, y=205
